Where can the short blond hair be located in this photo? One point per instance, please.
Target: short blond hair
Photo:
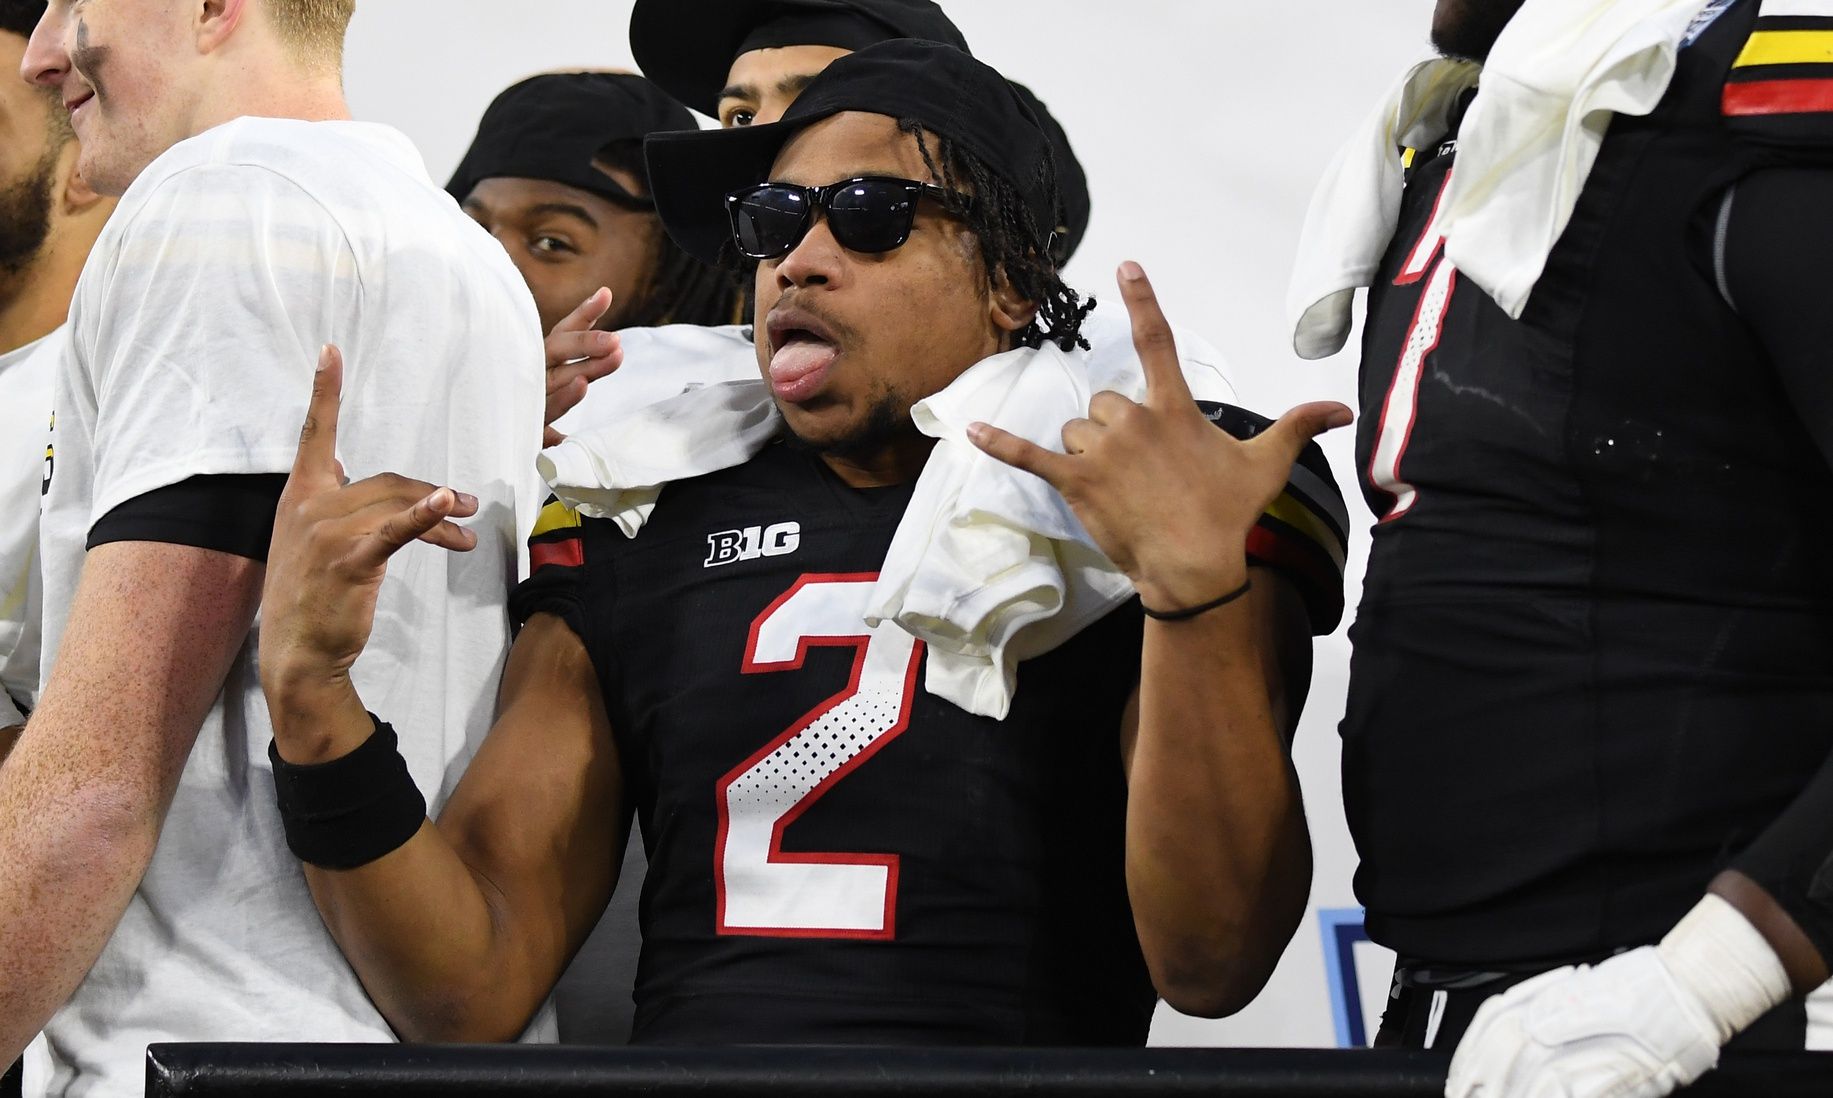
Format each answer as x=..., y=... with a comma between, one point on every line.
x=314, y=28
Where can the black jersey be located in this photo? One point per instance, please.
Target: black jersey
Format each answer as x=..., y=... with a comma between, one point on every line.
x=1594, y=656
x=836, y=855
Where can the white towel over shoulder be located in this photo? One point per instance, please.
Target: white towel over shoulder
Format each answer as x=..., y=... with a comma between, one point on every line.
x=1557, y=75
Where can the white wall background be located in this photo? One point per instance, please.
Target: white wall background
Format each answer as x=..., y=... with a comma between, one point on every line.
x=1202, y=124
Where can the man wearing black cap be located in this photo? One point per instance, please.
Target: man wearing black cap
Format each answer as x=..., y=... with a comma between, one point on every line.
x=556, y=174
x=839, y=854
x=745, y=61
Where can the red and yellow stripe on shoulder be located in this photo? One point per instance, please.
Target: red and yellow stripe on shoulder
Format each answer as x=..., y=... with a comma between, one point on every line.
x=1780, y=87
x=558, y=540
x=1304, y=534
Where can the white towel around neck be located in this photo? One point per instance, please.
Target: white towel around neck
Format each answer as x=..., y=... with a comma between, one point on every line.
x=988, y=565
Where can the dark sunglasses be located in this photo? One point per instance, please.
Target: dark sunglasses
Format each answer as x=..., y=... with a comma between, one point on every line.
x=867, y=214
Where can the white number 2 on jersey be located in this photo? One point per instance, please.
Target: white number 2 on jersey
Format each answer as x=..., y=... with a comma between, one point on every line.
x=763, y=890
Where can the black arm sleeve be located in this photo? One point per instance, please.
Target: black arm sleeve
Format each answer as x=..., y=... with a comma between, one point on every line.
x=1778, y=268
x=226, y=513
x=1778, y=271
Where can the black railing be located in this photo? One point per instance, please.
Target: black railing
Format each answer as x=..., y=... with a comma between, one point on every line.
x=406, y=1071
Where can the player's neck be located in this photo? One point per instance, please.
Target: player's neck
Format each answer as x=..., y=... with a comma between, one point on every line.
x=899, y=460
x=308, y=98
x=33, y=302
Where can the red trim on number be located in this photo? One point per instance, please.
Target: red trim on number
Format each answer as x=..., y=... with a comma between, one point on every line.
x=566, y=553
x=1406, y=439
x=1759, y=97
x=776, y=855
x=749, y=667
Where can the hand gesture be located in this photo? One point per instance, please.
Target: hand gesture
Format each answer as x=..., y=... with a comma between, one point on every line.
x=577, y=356
x=1165, y=494
x=331, y=545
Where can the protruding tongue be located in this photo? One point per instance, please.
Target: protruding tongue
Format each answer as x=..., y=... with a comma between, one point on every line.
x=798, y=365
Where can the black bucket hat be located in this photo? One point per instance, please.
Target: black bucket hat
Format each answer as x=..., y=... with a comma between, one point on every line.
x=553, y=126
x=947, y=91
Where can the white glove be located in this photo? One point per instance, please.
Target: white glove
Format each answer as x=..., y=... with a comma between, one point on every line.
x=1639, y=1025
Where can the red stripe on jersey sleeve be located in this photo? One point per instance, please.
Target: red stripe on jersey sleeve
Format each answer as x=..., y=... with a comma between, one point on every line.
x=564, y=553
x=1759, y=97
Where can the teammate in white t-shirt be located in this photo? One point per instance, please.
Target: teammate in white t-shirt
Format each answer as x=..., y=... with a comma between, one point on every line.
x=256, y=224
x=49, y=218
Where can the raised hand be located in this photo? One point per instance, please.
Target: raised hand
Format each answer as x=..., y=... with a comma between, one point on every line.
x=577, y=356
x=1165, y=494
x=331, y=545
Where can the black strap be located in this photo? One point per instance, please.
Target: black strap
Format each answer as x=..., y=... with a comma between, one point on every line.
x=1192, y=611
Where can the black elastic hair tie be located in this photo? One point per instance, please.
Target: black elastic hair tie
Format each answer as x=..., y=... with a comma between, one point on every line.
x=1192, y=611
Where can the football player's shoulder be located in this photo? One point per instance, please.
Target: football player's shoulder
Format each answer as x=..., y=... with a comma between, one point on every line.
x=1778, y=90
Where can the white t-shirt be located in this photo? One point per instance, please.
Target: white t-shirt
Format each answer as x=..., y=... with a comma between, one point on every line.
x=25, y=426
x=195, y=330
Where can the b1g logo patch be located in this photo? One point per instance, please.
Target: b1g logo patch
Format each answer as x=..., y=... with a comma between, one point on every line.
x=752, y=542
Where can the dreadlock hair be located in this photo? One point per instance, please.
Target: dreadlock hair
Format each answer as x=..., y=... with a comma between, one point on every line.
x=680, y=289
x=1012, y=244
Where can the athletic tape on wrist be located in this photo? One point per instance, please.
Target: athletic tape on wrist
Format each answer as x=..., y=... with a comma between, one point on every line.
x=350, y=811
x=1726, y=963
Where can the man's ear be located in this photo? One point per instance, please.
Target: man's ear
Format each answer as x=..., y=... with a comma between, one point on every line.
x=1011, y=311
x=75, y=195
x=216, y=20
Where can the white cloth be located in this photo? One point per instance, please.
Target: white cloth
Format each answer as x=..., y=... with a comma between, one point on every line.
x=26, y=376
x=660, y=363
x=1354, y=210
x=195, y=329
x=1639, y=1025
x=1557, y=75
x=988, y=565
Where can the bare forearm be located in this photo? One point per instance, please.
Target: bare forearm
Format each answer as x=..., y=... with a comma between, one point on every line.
x=1218, y=859
x=71, y=854
x=417, y=927
x=416, y=924
x=83, y=797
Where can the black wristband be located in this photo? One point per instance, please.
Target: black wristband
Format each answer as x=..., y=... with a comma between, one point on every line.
x=1193, y=611
x=350, y=811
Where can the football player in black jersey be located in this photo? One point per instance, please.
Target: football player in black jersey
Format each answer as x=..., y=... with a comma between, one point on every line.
x=836, y=854
x=1586, y=743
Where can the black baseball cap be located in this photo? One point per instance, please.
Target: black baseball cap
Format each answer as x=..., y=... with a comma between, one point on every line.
x=20, y=16
x=688, y=46
x=1072, y=182
x=553, y=126
x=941, y=87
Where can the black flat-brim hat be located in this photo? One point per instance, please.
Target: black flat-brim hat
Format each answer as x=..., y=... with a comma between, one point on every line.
x=688, y=46
x=944, y=89
x=555, y=125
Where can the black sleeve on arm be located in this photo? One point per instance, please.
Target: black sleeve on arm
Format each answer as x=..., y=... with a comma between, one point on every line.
x=228, y=513
x=1304, y=534
x=556, y=572
x=1793, y=861
x=1778, y=270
